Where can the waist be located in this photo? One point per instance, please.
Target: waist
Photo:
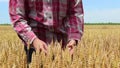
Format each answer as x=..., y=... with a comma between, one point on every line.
x=59, y=28
x=40, y=25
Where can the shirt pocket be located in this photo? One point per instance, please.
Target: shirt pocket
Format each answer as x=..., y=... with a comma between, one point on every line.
x=36, y=5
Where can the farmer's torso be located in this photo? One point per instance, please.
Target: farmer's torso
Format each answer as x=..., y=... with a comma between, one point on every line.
x=47, y=12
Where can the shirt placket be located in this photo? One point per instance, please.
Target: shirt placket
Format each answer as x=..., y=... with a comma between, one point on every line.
x=48, y=13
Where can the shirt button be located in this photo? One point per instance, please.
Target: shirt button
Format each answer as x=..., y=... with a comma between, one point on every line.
x=49, y=7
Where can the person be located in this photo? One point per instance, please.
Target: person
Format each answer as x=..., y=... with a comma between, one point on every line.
x=42, y=21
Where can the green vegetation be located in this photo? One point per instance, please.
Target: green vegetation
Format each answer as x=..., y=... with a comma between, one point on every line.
x=5, y=24
x=85, y=24
x=102, y=23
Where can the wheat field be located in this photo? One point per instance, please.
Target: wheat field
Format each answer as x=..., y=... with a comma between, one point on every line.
x=99, y=48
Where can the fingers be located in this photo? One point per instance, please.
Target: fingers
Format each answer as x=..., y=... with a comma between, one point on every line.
x=71, y=49
x=71, y=46
x=40, y=45
x=71, y=52
x=44, y=47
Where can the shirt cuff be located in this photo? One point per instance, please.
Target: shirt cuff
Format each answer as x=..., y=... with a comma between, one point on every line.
x=75, y=36
x=30, y=36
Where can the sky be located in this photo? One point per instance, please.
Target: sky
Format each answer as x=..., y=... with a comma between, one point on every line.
x=95, y=11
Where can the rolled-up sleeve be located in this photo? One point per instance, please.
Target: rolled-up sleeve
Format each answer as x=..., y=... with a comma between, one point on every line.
x=19, y=22
x=75, y=20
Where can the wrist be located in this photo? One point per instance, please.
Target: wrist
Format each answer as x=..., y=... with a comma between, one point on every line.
x=34, y=41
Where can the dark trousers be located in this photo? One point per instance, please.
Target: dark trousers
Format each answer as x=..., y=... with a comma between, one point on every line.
x=29, y=53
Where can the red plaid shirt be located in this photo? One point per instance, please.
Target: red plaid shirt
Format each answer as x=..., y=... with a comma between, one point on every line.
x=64, y=16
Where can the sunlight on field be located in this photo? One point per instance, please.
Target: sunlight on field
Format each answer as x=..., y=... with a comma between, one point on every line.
x=99, y=48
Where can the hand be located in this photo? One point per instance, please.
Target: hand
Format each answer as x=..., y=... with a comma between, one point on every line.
x=71, y=46
x=40, y=45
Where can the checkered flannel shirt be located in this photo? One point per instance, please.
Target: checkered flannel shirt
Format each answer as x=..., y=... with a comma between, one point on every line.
x=65, y=16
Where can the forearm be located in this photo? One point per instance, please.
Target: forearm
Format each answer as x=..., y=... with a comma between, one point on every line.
x=19, y=22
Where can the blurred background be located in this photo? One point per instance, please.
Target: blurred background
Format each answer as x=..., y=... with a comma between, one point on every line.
x=96, y=11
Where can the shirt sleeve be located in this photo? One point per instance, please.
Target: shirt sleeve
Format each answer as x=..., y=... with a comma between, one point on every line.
x=19, y=22
x=75, y=20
